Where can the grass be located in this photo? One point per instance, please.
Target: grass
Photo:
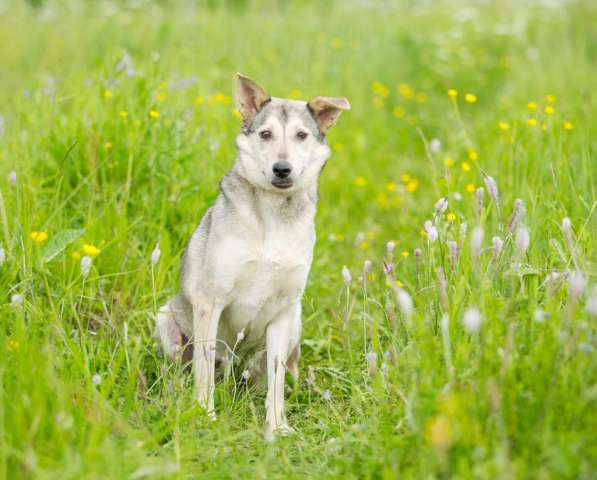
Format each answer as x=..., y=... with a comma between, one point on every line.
x=85, y=391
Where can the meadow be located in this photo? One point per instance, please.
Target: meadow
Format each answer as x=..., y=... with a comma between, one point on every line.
x=450, y=314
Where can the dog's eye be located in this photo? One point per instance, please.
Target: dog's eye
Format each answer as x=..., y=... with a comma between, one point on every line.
x=301, y=135
x=265, y=135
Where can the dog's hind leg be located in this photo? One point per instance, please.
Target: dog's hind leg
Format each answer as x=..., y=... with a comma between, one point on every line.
x=169, y=326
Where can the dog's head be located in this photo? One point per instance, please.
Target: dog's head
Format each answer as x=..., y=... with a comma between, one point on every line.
x=282, y=145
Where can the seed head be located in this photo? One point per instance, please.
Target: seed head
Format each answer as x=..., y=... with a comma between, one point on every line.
x=491, y=188
x=16, y=300
x=441, y=205
x=12, y=177
x=390, y=246
x=477, y=241
x=156, y=254
x=246, y=375
x=431, y=231
x=517, y=215
x=435, y=145
x=498, y=245
x=86, y=263
x=405, y=301
x=576, y=284
x=346, y=277
x=472, y=320
x=96, y=379
x=523, y=239
x=366, y=266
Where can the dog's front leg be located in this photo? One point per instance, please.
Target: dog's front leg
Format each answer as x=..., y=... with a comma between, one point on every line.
x=277, y=353
x=206, y=317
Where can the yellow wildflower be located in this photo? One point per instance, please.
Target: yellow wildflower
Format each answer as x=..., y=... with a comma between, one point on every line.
x=532, y=106
x=236, y=113
x=473, y=155
x=295, y=93
x=438, y=432
x=550, y=98
x=199, y=100
x=370, y=235
x=568, y=126
x=399, y=111
x=360, y=181
x=123, y=114
x=406, y=91
x=451, y=217
x=336, y=43
x=532, y=122
x=449, y=162
x=364, y=245
x=504, y=126
x=154, y=114
x=412, y=186
x=380, y=89
x=161, y=96
x=405, y=177
x=405, y=253
x=550, y=110
x=38, y=237
x=108, y=93
x=466, y=167
x=470, y=97
x=220, y=98
x=76, y=255
x=382, y=200
x=452, y=93
x=391, y=186
x=12, y=345
x=399, y=283
x=108, y=145
x=422, y=97
x=377, y=102
x=470, y=188
x=91, y=250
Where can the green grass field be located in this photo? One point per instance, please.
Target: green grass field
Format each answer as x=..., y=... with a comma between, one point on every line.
x=116, y=124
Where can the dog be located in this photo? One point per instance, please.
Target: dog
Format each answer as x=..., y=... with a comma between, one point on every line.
x=245, y=268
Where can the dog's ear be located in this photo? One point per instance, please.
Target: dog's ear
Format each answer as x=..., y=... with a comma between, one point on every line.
x=250, y=97
x=326, y=111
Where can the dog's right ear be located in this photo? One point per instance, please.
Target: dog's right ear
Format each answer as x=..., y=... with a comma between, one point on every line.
x=250, y=97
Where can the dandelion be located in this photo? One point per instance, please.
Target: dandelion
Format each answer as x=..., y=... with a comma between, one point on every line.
x=449, y=162
x=38, y=237
x=466, y=167
x=470, y=187
x=360, y=181
x=498, y=245
x=473, y=155
x=12, y=177
x=435, y=145
x=86, y=263
x=491, y=188
x=154, y=114
x=576, y=285
x=412, y=186
x=366, y=266
x=380, y=89
x=107, y=145
x=452, y=93
x=96, y=379
x=550, y=98
x=532, y=122
x=391, y=187
x=108, y=93
x=406, y=91
x=477, y=241
x=346, y=277
x=156, y=254
x=591, y=306
x=91, y=250
x=532, y=106
x=517, y=214
x=404, y=253
x=123, y=114
x=463, y=228
x=523, y=238
x=504, y=126
x=12, y=345
x=16, y=300
x=453, y=249
x=549, y=110
x=470, y=97
x=431, y=231
x=472, y=320
x=246, y=375
x=399, y=111
x=364, y=245
x=568, y=126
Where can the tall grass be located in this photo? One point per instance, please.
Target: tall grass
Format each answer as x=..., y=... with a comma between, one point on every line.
x=450, y=354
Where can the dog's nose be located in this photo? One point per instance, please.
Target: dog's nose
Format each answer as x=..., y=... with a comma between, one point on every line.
x=282, y=169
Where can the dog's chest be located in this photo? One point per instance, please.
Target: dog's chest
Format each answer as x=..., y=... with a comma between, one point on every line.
x=263, y=274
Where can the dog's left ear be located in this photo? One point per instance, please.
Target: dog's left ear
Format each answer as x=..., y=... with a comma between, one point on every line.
x=326, y=111
x=250, y=97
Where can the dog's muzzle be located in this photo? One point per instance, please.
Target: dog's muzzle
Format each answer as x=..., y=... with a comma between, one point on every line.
x=282, y=172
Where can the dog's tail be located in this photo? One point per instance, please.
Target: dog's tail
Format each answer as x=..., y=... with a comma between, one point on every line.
x=171, y=325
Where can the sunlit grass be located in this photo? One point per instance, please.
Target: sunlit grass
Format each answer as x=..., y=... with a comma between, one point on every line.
x=465, y=346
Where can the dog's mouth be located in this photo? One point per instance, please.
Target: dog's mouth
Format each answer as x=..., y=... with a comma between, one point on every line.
x=282, y=183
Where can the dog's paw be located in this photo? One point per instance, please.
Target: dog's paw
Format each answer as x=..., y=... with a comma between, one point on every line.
x=282, y=430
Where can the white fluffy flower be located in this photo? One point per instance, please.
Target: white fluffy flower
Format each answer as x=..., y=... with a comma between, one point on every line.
x=431, y=231
x=523, y=239
x=435, y=145
x=477, y=241
x=390, y=246
x=156, y=254
x=246, y=374
x=12, y=177
x=96, y=379
x=367, y=266
x=404, y=301
x=441, y=205
x=576, y=284
x=492, y=188
x=327, y=395
x=16, y=300
x=472, y=320
x=86, y=263
x=346, y=277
